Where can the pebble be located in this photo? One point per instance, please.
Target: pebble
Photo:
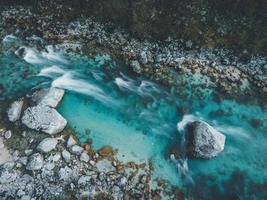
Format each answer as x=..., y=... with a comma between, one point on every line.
x=56, y=157
x=66, y=155
x=76, y=149
x=84, y=157
x=47, y=145
x=65, y=173
x=35, y=162
x=28, y=152
x=71, y=141
x=8, y=134
x=91, y=162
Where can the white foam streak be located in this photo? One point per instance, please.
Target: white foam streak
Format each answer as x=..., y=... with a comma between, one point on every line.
x=146, y=88
x=50, y=71
x=31, y=56
x=234, y=131
x=9, y=38
x=68, y=82
x=186, y=119
x=123, y=84
x=182, y=166
x=53, y=56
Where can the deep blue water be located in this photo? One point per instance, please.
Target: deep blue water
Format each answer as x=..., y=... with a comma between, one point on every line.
x=140, y=118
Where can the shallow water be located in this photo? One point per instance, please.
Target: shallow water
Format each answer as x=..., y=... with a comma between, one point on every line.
x=139, y=118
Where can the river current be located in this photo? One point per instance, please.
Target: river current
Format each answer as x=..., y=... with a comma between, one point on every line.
x=106, y=102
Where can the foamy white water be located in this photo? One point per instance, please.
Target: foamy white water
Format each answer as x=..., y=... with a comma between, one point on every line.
x=50, y=71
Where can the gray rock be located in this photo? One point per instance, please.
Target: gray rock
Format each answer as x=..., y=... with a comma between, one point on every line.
x=71, y=141
x=66, y=155
x=47, y=145
x=43, y=118
x=83, y=180
x=203, y=140
x=8, y=134
x=15, y=109
x=48, y=97
x=35, y=162
x=23, y=160
x=25, y=197
x=76, y=149
x=84, y=157
x=104, y=166
x=56, y=157
x=122, y=182
x=49, y=166
x=28, y=152
x=65, y=173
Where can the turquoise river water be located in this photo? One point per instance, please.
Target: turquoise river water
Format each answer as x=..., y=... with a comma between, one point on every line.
x=142, y=119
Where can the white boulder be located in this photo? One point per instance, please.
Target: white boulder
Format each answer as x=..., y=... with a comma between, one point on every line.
x=48, y=97
x=43, y=118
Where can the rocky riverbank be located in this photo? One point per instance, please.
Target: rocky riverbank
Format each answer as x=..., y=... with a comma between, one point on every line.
x=36, y=165
x=241, y=78
x=58, y=165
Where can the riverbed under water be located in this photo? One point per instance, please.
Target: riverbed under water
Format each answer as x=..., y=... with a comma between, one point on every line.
x=142, y=119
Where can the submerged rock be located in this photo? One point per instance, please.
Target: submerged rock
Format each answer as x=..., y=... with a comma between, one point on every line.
x=15, y=109
x=35, y=162
x=47, y=145
x=106, y=150
x=48, y=97
x=203, y=140
x=43, y=118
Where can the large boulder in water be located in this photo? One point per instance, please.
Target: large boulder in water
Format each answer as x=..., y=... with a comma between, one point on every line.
x=48, y=97
x=203, y=140
x=43, y=118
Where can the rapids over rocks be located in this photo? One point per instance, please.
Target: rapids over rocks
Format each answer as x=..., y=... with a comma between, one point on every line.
x=107, y=102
